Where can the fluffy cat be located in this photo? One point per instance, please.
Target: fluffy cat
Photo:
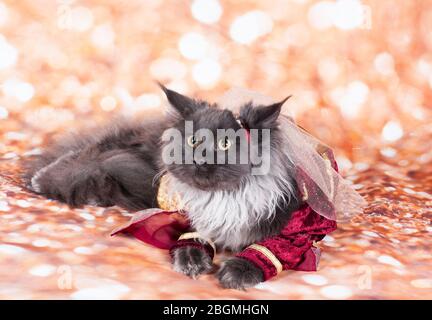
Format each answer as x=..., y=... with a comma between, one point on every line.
x=121, y=165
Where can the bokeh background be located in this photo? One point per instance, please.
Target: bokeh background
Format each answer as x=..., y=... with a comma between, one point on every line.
x=360, y=73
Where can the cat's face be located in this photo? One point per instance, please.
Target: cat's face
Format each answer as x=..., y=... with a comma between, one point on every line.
x=211, y=144
x=204, y=171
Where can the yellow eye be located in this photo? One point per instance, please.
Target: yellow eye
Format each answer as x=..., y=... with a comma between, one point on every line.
x=192, y=141
x=224, y=144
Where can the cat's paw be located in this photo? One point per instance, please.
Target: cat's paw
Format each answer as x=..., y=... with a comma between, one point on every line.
x=191, y=261
x=42, y=179
x=238, y=273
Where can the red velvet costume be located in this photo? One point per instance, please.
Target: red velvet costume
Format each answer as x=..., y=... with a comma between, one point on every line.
x=293, y=247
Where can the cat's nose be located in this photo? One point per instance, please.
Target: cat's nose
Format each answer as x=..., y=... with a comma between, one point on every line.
x=199, y=162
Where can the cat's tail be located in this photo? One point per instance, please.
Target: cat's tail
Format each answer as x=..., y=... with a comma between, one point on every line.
x=115, y=177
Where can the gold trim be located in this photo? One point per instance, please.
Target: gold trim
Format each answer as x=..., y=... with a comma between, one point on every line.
x=305, y=192
x=268, y=254
x=196, y=235
x=329, y=172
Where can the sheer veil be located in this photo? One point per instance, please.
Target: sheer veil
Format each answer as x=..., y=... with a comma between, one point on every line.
x=328, y=193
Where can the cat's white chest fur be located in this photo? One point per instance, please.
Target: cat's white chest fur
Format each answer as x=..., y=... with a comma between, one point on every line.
x=228, y=217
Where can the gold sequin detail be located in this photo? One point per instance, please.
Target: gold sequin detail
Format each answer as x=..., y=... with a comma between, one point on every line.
x=167, y=200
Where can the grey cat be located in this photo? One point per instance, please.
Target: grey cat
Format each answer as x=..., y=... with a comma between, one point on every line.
x=121, y=165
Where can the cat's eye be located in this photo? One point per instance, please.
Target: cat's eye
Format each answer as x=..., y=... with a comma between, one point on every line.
x=224, y=144
x=192, y=141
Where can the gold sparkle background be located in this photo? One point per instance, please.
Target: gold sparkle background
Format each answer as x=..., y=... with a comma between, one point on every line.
x=361, y=77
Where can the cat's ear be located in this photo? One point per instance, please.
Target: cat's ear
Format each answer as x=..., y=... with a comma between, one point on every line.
x=262, y=116
x=184, y=105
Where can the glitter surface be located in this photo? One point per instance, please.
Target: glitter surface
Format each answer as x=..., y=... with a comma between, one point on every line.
x=361, y=77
